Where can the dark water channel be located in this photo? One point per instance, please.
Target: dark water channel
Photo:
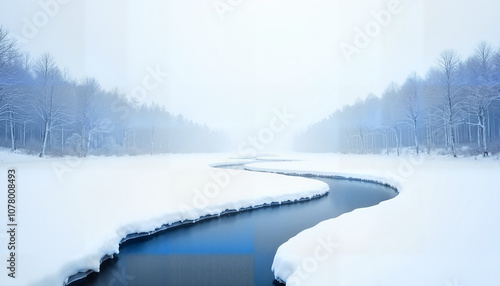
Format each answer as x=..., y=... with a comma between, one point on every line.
x=235, y=249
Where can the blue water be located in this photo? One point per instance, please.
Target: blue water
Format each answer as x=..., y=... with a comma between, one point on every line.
x=235, y=249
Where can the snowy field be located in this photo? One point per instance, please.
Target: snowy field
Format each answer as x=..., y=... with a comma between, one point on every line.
x=442, y=229
x=72, y=212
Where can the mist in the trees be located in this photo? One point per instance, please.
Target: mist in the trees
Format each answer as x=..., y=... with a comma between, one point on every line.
x=45, y=111
x=454, y=109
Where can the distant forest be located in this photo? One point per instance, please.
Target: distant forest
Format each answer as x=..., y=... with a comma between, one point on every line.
x=454, y=109
x=45, y=111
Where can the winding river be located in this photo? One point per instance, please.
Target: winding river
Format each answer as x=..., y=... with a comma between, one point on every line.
x=234, y=249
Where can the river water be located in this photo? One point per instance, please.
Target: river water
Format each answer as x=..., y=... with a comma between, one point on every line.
x=234, y=249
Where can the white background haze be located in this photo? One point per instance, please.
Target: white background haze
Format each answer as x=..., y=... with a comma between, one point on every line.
x=231, y=69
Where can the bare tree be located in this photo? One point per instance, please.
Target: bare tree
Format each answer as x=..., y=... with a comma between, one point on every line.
x=481, y=90
x=358, y=119
x=392, y=114
x=10, y=83
x=13, y=108
x=8, y=51
x=47, y=104
x=448, y=65
x=91, y=113
x=412, y=101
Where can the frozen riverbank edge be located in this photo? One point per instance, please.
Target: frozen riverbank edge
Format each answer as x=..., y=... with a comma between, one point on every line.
x=438, y=231
x=311, y=175
x=131, y=236
x=82, y=274
x=74, y=213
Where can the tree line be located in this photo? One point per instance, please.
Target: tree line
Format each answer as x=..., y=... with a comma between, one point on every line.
x=454, y=108
x=45, y=111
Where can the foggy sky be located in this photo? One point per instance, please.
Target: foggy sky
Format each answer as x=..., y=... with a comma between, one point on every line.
x=232, y=69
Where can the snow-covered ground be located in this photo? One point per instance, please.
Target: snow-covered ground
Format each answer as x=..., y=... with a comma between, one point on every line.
x=442, y=229
x=71, y=212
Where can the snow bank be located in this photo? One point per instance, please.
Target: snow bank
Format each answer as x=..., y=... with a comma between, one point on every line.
x=442, y=229
x=72, y=212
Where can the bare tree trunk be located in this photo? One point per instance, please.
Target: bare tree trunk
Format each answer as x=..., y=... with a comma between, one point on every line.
x=62, y=139
x=82, y=142
x=12, y=133
x=453, y=150
x=386, y=143
x=488, y=122
x=397, y=142
x=479, y=137
x=415, y=135
x=469, y=134
x=427, y=135
x=485, y=144
x=6, y=131
x=44, y=139
x=372, y=143
x=124, y=140
x=483, y=132
x=24, y=133
x=88, y=142
x=445, y=134
x=50, y=139
x=12, y=136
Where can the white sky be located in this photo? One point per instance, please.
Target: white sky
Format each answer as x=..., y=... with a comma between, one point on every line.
x=264, y=54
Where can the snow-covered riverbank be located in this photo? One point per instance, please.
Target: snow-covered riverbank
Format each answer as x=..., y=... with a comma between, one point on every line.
x=72, y=212
x=441, y=230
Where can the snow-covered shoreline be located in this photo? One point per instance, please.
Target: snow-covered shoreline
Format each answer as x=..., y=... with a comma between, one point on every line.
x=250, y=165
x=73, y=212
x=131, y=236
x=264, y=167
x=440, y=230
